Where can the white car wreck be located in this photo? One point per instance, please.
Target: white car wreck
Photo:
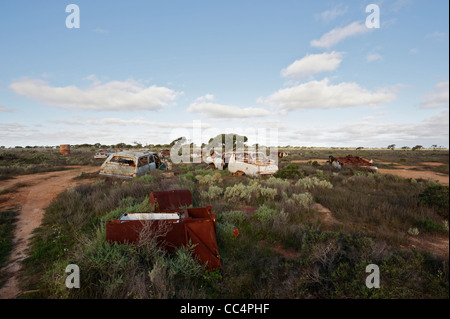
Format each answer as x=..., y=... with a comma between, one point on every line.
x=130, y=164
x=253, y=164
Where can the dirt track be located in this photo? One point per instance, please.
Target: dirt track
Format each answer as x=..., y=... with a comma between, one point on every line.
x=32, y=199
x=417, y=171
x=406, y=172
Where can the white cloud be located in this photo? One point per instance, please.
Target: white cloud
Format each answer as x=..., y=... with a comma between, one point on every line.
x=438, y=98
x=374, y=57
x=65, y=122
x=330, y=15
x=374, y=133
x=399, y=5
x=5, y=109
x=431, y=130
x=313, y=63
x=437, y=36
x=143, y=122
x=323, y=95
x=114, y=95
x=113, y=121
x=100, y=30
x=338, y=34
x=205, y=105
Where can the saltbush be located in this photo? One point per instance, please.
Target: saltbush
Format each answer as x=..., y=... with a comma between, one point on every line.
x=312, y=182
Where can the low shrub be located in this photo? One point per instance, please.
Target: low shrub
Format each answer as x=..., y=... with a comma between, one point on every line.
x=427, y=225
x=289, y=171
x=312, y=182
x=249, y=193
x=265, y=214
x=436, y=196
x=213, y=193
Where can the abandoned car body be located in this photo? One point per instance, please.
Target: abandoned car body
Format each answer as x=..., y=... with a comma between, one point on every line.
x=215, y=160
x=130, y=164
x=253, y=164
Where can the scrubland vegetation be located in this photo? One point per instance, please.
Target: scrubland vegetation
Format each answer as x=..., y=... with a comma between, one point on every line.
x=20, y=161
x=283, y=247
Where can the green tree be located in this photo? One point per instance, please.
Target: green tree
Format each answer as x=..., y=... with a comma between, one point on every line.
x=238, y=141
x=180, y=139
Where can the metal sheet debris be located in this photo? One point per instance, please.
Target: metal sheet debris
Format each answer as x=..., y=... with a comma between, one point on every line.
x=167, y=200
x=173, y=225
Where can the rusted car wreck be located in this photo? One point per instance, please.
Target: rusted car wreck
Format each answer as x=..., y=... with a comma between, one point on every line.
x=129, y=164
x=351, y=161
x=173, y=224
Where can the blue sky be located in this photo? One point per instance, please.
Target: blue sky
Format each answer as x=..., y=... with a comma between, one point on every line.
x=148, y=71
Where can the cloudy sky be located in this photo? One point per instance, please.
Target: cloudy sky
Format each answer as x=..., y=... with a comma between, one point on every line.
x=304, y=73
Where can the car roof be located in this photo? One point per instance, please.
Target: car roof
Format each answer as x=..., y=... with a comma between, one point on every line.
x=133, y=154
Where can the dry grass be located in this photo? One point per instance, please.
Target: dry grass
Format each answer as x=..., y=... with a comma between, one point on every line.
x=374, y=214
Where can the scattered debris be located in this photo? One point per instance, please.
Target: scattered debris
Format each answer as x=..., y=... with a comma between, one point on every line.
x=173, y=225
x=164, y=153
x=102, y=154
x=165, y=164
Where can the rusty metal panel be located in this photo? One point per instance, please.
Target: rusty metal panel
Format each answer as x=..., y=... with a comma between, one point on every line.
x=179, y=227
x=200, y=212
x=132, y=231
x=123, y=232
x=202, y=234
x=174, y=199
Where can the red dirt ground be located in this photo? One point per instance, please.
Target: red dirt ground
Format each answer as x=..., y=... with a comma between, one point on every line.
x=32, y=199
